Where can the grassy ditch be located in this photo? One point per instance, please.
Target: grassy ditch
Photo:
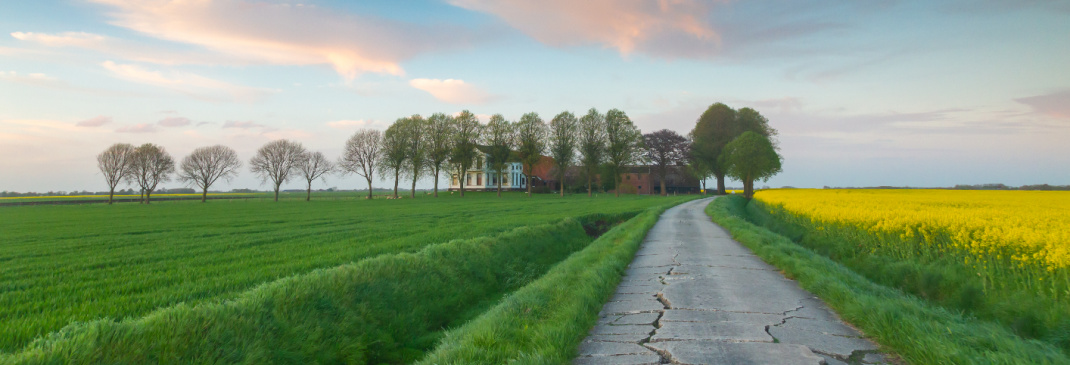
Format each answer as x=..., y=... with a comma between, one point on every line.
x=545, y=321
x=915, y=329
x=387, y=309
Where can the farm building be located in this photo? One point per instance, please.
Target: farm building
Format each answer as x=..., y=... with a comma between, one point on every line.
x=480, y=176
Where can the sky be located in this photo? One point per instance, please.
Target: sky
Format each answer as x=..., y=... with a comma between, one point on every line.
x=863, y=93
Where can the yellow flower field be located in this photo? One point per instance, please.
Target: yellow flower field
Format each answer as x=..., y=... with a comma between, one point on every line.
x=1024, y=234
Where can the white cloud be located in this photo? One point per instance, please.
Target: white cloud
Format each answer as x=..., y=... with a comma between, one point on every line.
x=452, y=91
x=174, y=122
x=360, y=123
x=94, y=121
x=124, y=49
x=187, y=83
x=138, y=128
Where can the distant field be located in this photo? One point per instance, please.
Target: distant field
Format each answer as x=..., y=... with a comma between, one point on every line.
x=60, y=264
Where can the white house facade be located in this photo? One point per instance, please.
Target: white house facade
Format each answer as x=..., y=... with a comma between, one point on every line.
x=480, y=177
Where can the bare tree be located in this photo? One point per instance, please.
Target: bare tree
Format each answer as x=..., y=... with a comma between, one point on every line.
x=114, y=163
x=665, y=148
x=500, y=139
x=395, y=151
x=362, y=154
x=531, y=142
x=624, y=144
x=466, y=134
x=149, y=166
x=276, y=161
x=312, y=166
x=415, y=149
x=563, y=137
x=206, y=165
x=439, y=143
x=592, y=143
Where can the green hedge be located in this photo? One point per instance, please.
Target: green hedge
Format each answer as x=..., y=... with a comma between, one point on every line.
x=919, y=332
x=387, y=309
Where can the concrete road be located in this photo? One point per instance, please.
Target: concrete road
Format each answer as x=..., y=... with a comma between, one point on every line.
x=692, y=295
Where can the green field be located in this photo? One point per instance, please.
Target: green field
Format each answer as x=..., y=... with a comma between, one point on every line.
x=65, y=264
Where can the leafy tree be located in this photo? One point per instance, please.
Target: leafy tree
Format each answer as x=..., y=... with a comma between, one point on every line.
x=466, y=135
x=395, y=150
x=362, y=154
x=665, y=148
x=150, y=165
x=276, y=161
x=563, y=139
x=624, y=144
x=592, y=144
x=207, y=164
x=531, y=143
x=114, y=163
x=415, y=149
x=500, y=137
x=749, y=157
x=439, y=143
x=698, y=169
x=312, y=166
x=717, y=126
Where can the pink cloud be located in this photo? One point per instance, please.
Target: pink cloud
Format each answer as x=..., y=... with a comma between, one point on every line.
x=138, y=128
x=125, y=49
x=626, y=25
x=452, y=91
x=194, y=85
x=94, y=121
x=1055, y=105
x=174, y=122
x=287, y=34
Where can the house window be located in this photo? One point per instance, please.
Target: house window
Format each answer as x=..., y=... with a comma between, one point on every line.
x=628, y=177
x=479, y=179
x=469, y=179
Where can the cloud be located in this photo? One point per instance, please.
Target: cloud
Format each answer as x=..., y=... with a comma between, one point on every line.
x=452, y=91
x=38, y=79
x=128, y=50
x=242, y=124
x=196, y=86
x=626, y=25
x=174, y=122
x=361, y=123
x=138, y=128
x=289, y=34
x=1055, y=105
x=94, y=121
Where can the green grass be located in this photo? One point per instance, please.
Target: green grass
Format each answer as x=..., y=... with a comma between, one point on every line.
x=62, y=264
x=544, y=322
x=387, y=309
x=913, y=328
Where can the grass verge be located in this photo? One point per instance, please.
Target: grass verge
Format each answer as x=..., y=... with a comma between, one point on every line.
x=916, y=330
x=387, y=309
x=545, y=321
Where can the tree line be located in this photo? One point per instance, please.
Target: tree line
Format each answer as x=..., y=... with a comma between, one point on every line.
x=415, y=147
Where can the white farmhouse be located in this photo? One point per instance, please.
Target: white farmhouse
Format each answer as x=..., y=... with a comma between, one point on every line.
x=480, y=177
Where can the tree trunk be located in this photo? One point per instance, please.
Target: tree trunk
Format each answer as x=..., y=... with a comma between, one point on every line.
x=436, y=181
x=561, y=184
x=369, y=188
x=663, y=192
x=461, y=176
x=617, y=190
x=703, y=187
x=413, y=192
x=277, y=193
x=397, y=177
x=204, y=195
x=589, y=194
x=111, y=194
x=499, y=183
x=748, y=188
x=308, y=197
x=720, y=185
x=148, y=197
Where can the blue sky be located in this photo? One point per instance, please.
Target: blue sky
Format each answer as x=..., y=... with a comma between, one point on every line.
x=916, y=93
